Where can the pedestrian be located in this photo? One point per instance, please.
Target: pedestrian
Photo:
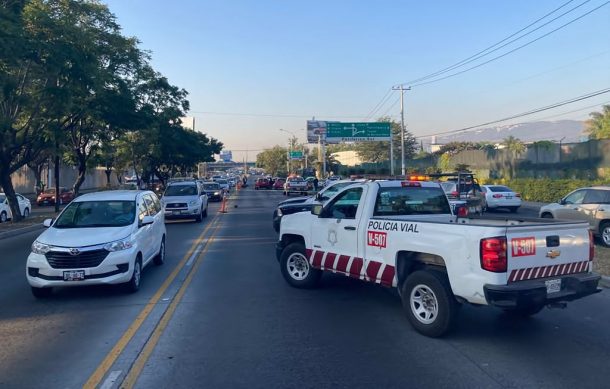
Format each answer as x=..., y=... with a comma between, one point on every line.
x=315, y=184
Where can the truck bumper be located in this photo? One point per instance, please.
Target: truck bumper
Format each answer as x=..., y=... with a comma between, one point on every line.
x=530, y=293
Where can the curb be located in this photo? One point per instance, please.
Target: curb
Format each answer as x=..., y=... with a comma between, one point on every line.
x=19, y=231
x=605, y=282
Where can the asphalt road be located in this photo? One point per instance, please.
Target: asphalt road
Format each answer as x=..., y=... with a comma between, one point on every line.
x=228, y=319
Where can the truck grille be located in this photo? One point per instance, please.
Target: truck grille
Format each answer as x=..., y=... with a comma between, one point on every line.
x=62, y=260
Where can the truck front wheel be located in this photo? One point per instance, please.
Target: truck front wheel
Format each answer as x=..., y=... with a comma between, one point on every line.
x=429, y=302
x=296, y=268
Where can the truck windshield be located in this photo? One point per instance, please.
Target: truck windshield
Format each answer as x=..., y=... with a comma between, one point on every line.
x=411, y=201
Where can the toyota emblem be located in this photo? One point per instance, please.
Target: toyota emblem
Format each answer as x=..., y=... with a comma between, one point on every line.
x=74, y=251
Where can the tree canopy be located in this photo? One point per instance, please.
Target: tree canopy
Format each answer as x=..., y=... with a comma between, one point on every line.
x=598, y=126
x=73, y=86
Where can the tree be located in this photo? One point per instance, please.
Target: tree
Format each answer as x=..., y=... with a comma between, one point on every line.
x=453, y=148
x=598, y=126
x=273, y=160
x=376, y=152
x=514, y=145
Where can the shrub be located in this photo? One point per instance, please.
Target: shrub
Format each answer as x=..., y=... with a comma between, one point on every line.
x=545, y=190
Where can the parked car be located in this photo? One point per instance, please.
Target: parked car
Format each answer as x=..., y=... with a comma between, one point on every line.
x=500, y=196
x=185, y=200
x=48, y=196
x=213, y=190
x=25, y=206
x=295, y=185
x=262, y=183
x=278, y=184
x=100, y=238
x=588, y=204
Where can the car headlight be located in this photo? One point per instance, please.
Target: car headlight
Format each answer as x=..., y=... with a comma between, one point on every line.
x=216, y=193
x=193, y=202
x=279, y=212
x=40, y=248
x=119, y=245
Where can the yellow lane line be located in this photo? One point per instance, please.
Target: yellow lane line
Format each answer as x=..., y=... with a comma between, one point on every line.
x=138, y=366
x=99, y=373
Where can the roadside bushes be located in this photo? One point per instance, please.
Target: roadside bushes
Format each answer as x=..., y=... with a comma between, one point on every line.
x=545, y=190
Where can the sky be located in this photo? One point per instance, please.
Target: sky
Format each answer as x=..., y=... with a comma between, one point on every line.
x=254, y=67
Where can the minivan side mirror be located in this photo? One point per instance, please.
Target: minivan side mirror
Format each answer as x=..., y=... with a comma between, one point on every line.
x=147, y=220
x=561, y=202
x=47, y=222
x=318, y=196
x=317, y=209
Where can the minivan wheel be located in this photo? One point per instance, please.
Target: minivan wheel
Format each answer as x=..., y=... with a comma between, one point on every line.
x=41, y=293
x=205, y=211
x=604, y=234
x=3, y=217
x=133, y=285
x=160, y=257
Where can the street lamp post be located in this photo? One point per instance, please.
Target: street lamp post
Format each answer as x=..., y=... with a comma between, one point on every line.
x=289, y=147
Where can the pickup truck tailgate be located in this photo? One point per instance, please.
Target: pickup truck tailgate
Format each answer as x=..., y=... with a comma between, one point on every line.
x=549, y=251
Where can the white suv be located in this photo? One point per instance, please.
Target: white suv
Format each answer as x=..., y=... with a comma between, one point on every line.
x=99, y=238
x=185, y=200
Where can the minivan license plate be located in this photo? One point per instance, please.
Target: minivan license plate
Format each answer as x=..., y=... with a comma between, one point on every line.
x=553, y=286
x=74, y=275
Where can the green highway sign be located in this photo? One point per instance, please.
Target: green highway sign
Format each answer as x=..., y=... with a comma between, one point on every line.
x=357, y=132
x=296, y=155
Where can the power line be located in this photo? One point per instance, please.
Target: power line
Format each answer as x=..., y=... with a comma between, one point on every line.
x=271, y=115
x=527, y=113
x=486, y=51
x=379, y=104
x=391, y=106
x=513, y=50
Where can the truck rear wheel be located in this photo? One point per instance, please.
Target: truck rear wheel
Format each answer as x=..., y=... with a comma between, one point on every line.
x=296, y=268
x=429, y=302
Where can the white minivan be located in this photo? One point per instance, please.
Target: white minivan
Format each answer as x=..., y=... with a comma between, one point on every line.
x=99, y=238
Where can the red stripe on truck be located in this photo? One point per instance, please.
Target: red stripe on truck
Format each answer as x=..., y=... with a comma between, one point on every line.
x=356, y=267
x=329, y=262
x=317, y=259
x=387, y=277
x=532, y=273
x=342, y=263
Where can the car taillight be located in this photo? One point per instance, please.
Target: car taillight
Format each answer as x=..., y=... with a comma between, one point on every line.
x=517, y=194
x=493, y=254
x=455, y=193
x=462, y=211
x=497, y=196
x=591, y=246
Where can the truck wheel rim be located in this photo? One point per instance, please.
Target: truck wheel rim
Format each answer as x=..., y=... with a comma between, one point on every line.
x=424, y=304
x=298, y=267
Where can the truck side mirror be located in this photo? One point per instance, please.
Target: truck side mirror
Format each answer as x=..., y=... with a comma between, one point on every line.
x=317, y=209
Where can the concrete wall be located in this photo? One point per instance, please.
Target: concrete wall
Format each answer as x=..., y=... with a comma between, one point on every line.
x=24, y=182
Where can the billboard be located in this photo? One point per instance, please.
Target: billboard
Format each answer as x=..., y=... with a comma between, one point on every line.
x=226, y=155
x=315, y=128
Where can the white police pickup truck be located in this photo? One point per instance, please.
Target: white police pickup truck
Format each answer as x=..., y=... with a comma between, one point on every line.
x=404, y=235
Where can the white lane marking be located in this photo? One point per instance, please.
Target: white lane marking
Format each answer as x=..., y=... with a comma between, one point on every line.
x=111, y=379
x=193, y=256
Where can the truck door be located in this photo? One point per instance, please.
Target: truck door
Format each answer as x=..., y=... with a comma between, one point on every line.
x=335, y=234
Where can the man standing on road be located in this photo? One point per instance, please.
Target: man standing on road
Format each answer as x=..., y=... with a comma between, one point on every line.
x=315, y=183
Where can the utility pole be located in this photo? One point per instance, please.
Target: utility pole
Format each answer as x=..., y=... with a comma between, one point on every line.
x=402, y=90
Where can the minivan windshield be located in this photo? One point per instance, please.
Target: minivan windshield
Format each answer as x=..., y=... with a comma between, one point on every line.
x=84, y=214
x=181, y=190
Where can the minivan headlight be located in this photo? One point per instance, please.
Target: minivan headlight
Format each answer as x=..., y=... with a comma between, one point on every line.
x=40, y=248
x=279, y=212
x=119, y=245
